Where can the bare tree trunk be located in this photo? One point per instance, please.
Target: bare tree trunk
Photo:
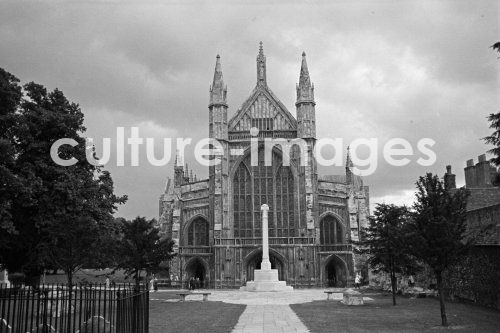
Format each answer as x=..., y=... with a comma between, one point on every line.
x=136, y=280
x=394, y=287
x=393, y=283
x=69, y=277
x=439, y=280
x=69, y=274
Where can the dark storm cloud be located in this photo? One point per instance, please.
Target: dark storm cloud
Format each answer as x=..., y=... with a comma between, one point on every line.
x=381, y=69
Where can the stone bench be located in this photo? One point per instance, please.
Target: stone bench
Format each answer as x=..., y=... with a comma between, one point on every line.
x=352, y=297
x=163, y=283
x=329, y=293
x=205, y=295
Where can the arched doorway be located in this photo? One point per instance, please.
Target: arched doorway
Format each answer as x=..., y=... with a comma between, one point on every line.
x=256, y=259
x=196, y=268
x=335, y=274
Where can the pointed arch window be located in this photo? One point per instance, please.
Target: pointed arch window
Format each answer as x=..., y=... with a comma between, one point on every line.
x=272, y=185
x=285, y=224
x=198, y=232
x=331, y=231
x=242, y=202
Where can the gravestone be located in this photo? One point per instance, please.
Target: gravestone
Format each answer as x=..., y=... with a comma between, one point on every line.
x=96, y=324
x=352, y=297
x=44, y=328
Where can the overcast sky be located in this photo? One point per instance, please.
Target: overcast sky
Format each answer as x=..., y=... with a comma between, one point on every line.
x=381, y=69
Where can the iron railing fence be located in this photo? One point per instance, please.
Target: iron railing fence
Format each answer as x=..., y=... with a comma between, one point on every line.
x=132, y=312
x=80, y=309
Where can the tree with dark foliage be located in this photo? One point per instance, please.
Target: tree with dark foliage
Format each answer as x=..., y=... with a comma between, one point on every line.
x=142, y=248
x=384, y=242
x=10, y=184
x=438, y=230
x=58, y=214
x=496, y=46
x=494, y=138
x=80, y=235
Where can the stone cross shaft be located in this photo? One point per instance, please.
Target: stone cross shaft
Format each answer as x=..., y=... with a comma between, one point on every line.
x=266, y=264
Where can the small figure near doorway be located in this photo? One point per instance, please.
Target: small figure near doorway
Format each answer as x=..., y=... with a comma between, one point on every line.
x=151, y=283
x=198, y=283
x=192, y=285
x=155, y=283
x=357, y=281
x=411, y=281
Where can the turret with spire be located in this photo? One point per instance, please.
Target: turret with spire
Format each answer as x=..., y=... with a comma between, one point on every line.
x=306, y=130
x=306, y=114
x=218, y=105
x=218, y=130
x=218, y=90
x=178, y=170
x=348, y=168
x=305, y=89
x=261, y=66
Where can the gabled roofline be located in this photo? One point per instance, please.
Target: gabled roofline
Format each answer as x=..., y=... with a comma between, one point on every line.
x=253, y=96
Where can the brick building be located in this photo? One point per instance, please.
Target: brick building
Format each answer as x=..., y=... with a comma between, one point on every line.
x=483, y=205
x=477, y=276
x=215, y=222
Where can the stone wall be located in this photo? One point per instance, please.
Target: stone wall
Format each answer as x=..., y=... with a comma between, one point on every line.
x=476, y=277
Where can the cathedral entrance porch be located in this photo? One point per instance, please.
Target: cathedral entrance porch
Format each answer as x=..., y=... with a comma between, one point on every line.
x=335, y=272
x=254, y=261
x=196, y=268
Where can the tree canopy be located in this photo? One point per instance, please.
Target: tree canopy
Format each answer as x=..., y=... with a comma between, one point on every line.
x=438, y=229
x=494, y=138
x=142, y=248
x=51, y=215
x=385, y=241
x=10, y=185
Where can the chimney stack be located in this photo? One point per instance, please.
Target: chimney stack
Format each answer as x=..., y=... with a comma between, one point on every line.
x=479, y=175
x=449, y=179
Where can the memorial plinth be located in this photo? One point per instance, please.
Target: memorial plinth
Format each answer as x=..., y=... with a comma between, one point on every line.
x=266, y=279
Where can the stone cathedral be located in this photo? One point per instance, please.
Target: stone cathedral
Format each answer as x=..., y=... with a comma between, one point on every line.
x=216, y=222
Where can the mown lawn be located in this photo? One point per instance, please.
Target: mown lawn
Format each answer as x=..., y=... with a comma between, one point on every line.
x=90, y=276
x=409, y=315
x=191, y=316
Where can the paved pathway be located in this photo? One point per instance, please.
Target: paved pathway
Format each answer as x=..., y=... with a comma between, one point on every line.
x=260, y=298
x=269, y=318
x=269, y=312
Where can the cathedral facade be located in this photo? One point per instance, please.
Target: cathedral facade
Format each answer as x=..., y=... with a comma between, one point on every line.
x=216, y=222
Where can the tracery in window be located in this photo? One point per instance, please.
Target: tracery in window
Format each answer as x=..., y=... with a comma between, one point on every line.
x=198, y=232
x=331, y=231
x=272, y=185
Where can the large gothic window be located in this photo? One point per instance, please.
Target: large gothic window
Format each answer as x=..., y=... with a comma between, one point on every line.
x=272, y=185
x=263, y=193
x=198, y=232
x=331, y=231
x=243, y=224
x=285, y=225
